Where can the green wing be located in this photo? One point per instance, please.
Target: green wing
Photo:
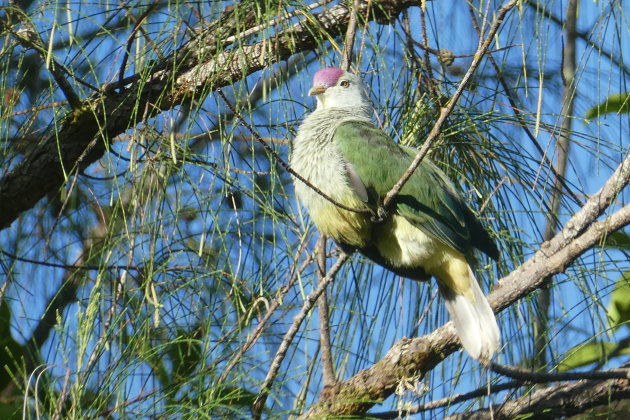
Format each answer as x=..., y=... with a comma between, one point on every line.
x=428, y=200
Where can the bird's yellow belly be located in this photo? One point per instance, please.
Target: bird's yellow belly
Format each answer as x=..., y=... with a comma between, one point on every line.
x=342, y=225
x=404, y=245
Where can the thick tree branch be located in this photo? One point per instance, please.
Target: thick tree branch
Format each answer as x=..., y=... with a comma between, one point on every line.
x=562, y=400
x=414, y=357
x=84, y=134
x=525, y=377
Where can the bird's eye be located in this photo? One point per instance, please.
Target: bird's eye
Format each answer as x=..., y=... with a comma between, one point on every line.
x=344, y=83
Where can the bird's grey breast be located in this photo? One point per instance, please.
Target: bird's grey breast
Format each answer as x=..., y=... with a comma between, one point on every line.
x=317, y=158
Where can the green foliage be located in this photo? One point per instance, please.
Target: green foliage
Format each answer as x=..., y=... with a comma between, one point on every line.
x=10, y=350
x=231, y=396
x=618, y=103
x=10, y=411
x=10, y=358
x=619, y=306
x=185, y=354
x=618, y=313
x=589, y=353
x=617, y=240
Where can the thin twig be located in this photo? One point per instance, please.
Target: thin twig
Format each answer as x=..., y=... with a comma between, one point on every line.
x=519, y=114
x=543, y=10
x=427, y=61
x=256, y=334
x=544, y=377
x=454, y=56
x=137, y=26
x=262, y=324
x=273, y=22
x=70, y=266
x=351, y=32
x=328, y=367
x=284, y=164
x=30, y=38
x=38, y=108
x=444, y=402
x=446, y=111
x=563, y=143
x=309, y=302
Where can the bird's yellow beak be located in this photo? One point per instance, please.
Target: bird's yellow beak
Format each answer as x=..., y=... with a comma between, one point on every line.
x=317, y=90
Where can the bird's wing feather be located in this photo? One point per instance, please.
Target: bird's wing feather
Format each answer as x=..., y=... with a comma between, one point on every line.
x=428, y=200
x=357, y=184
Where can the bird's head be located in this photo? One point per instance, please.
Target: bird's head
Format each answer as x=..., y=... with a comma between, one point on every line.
x=336, y=88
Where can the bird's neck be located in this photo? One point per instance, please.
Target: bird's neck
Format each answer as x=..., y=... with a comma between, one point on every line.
x=318, y=128
x=333, y=117
x=361, y=112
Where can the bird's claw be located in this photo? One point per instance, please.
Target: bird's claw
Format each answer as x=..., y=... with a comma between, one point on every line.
x=380, y=215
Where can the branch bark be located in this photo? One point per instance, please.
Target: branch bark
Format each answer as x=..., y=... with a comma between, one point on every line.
x=562, y=400
x=328, y=365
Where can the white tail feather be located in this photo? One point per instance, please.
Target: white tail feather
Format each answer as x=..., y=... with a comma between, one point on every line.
x=474, y=322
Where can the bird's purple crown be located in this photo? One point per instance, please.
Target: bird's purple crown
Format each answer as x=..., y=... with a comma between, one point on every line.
x=327, y=76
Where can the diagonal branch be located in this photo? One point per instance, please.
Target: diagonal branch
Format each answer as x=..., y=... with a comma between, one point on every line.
x=565, y=399
x=328, y=366
x=519, y=116
x=414, y=357
x=283, y=163
x=348, y=45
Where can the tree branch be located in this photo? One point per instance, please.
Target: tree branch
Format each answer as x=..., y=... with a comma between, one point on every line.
x=544, y=377
x=519, y=116
x=444, y=402
x=562, y=400
x=28, y=37
x=524, y=377
x=328, y=366
x=283, y=163
x=348, y=45
x=563, y=143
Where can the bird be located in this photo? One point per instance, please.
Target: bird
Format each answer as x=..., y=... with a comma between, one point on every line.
x=428, y=231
